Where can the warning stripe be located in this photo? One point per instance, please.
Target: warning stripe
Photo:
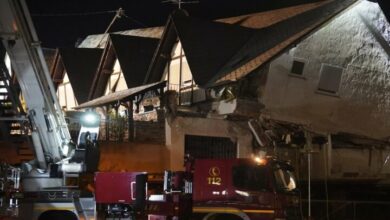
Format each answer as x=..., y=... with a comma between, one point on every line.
x=230, y=210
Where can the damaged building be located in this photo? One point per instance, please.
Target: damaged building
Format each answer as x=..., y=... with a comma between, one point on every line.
x=291, y=72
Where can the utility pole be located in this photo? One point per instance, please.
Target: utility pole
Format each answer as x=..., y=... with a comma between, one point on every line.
x=119, y=14
x=309, y=151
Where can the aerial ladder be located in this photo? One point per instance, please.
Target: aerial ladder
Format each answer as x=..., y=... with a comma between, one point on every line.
x=56, y=156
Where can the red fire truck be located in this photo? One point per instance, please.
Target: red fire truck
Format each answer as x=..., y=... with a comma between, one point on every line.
x=208, y=189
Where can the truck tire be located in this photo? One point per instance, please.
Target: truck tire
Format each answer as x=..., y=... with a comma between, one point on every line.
x=224, y=217
x=58, y=215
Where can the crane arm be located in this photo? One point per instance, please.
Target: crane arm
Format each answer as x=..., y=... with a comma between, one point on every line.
x=50, y=133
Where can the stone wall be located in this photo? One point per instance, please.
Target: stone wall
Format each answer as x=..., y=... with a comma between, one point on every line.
x=149, y=131
x=148, y=127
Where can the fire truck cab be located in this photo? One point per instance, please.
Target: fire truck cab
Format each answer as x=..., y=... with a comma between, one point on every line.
x=209, y=189
x=244, y=189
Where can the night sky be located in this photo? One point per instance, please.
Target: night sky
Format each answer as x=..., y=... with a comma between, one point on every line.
x=60, y=23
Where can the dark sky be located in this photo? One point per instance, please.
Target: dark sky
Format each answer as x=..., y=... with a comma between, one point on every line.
x=60, y=23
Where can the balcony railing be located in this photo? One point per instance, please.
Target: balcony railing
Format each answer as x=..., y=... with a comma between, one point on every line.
x=188, y=95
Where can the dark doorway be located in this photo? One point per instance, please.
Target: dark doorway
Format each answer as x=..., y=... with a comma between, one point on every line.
x=204, y=147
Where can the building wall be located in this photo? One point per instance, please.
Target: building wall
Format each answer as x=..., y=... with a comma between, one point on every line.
x=339, y=164
x=117, y=81
x=356, y=41
x=125, y=156
x=181, y=126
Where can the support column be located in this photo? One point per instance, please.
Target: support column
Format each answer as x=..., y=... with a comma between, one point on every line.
x=107, y=123
x=329, y=155
x=130, y=120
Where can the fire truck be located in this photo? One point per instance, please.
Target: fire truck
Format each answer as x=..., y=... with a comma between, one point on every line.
x=208, y=189
x=43, y=182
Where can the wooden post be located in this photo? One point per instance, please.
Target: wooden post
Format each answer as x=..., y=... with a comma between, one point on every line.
x=180, y=72
x=161, y=97
x=130, y=120
x=192, y=91
x=107, y=122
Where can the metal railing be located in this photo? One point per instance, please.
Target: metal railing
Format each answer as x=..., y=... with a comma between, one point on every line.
x=187, y=95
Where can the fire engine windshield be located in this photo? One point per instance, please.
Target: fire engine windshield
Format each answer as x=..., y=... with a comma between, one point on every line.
x=285, y=180
x=250, y=177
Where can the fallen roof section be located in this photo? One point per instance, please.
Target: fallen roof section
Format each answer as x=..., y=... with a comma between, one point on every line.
x=121, y=96
x=100, y=40
x=80, y=64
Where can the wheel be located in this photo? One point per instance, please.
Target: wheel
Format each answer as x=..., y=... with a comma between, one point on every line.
x=224, y=217
x=58, y=215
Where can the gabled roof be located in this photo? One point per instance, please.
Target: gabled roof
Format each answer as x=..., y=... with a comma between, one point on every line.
x=121, y=96
x=57, y=70
x=268, y=18
x=255, y=20
x=207, y=44
x=134, y=55
x=80, y=64
x=271, y=40
x=103, y=72
x=215, y=50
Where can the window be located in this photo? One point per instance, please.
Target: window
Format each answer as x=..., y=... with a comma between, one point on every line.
x=250, y=177
x=285, y=180
x=330, y=78
x=297, y=67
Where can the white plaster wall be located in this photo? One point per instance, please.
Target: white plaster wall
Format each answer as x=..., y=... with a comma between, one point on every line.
x=65, y=94
x=174, y=69
x=362, y=105
x=117, y=72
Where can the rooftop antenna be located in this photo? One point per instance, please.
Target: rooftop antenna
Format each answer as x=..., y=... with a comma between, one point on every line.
x=180, y=2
